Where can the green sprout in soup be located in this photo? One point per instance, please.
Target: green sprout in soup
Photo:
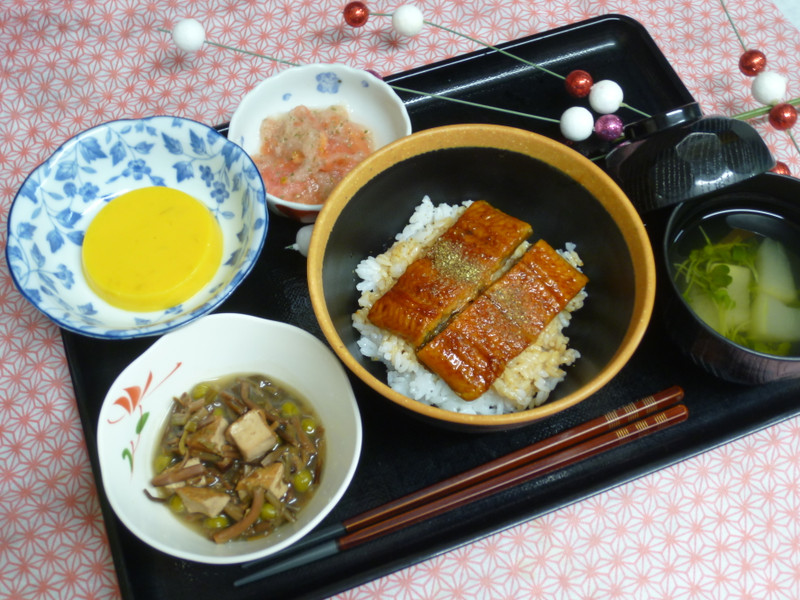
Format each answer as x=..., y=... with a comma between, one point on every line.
x=744, y=288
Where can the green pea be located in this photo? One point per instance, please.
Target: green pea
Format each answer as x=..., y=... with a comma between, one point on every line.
x=176, y=504
x=302, y=480
x=289, y=409
x=268, y=511
x=309, y=425
x=218, y=522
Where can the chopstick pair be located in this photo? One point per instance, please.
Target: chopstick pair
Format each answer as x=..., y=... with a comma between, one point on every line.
x=618, y=427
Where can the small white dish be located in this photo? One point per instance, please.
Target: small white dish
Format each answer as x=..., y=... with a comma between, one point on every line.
x=134, y=411
x=369, y=100
x=57, y=202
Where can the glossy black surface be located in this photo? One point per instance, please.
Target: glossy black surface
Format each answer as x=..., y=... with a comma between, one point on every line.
x=688, y=161
x=518, y=185
x=400, y=454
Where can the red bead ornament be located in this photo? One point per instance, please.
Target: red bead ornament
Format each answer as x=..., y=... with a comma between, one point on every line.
x=781, y=168
x=579, y=83
x=783, y=116
x=356, y=14
x=752, y=62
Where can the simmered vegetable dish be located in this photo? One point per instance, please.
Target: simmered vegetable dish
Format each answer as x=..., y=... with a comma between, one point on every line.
x=239, y=456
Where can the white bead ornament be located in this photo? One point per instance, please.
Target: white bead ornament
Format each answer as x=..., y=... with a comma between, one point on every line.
x=769, y=88
x=302, y=240
x=188, y=35
x=577, y=124
x=605, y=97
x=407, y=20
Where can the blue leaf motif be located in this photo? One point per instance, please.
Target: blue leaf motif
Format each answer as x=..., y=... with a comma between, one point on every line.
x=90, y=149
x=212, y=137
x=28, y=190
x=172, y=145
x=251, y=172
x=258, y=224
x=37, y=255
x=65, y=276
x=68, y=217
x=118, y=153
x=228, y=152
x=67, y=169
x=183, y=170
x=55, y=239
x=88, y=170
x=143, y=147
x=76, y=237
x=34, y=295
x=51, y=285
x=87, y=309
x=25, y=230
x=158, y=181
x=198, y=145
x=234, y=257
x=14, y=253
x=328, y=83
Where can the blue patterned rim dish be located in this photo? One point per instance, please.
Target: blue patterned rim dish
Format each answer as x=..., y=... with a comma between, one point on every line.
x=56, y=203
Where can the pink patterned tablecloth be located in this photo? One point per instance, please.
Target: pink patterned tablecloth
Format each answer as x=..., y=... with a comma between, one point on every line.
x=725, y=524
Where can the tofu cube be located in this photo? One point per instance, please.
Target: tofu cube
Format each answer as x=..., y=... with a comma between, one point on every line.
x=270, y=478
x=212, y=436
x=203, y=500
x=252, y=436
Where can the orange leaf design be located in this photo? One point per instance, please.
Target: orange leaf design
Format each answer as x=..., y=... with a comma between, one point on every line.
x=125, y=403
x=135, y=393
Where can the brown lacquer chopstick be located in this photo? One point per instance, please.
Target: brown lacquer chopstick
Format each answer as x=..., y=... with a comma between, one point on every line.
x=480, y=488
x=611, y=420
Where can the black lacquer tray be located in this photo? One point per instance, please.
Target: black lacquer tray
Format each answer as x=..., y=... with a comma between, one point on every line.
x=401, y=454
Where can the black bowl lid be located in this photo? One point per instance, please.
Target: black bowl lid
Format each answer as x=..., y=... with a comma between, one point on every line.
x=682, y=155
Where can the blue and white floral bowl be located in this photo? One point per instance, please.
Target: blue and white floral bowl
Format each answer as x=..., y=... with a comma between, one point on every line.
x=56, y=203
x=369, y=100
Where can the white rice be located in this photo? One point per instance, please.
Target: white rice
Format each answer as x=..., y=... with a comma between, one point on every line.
x=527, y=380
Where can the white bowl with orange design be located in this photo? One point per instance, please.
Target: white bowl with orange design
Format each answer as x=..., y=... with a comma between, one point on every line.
x=322, y=120
x=137, y=406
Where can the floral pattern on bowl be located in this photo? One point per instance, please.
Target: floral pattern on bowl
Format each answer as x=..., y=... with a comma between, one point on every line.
x=137, y=404
x=56, y=203
x=369, y=100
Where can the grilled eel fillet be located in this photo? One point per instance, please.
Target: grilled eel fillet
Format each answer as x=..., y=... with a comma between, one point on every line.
x=455, y=269
x=477, y=344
